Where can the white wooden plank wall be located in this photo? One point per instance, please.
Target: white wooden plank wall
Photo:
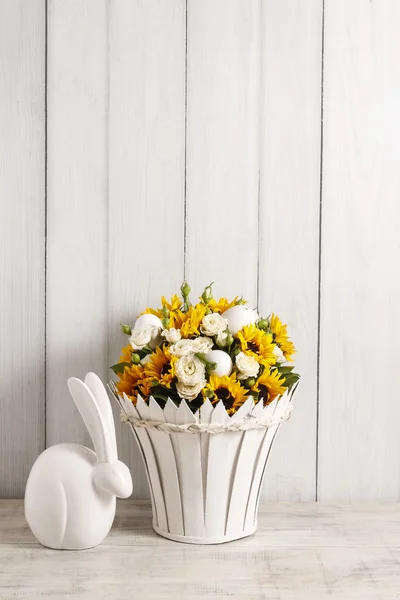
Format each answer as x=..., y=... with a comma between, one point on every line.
x=22, y=240
x=77, y=193
x=146, y=171
x=290, y=144
x=223, y=53
x=359, y=457
x=185, y=138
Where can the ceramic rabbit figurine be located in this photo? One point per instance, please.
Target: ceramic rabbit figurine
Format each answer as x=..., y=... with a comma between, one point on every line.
x=70, y=496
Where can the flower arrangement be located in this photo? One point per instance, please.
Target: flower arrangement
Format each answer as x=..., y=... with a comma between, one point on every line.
x=214, y=349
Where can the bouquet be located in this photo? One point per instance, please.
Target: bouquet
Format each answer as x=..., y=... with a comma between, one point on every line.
x=216, y=349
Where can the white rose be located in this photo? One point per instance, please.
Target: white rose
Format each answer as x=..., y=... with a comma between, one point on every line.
x=142, y=336
x=190, y=392
x=247, y=366
x=150, y=321
x=280, y=357
x=190, y=370
x=171, y=335
x=182, y=348
x=202, y=344
x=213, y=324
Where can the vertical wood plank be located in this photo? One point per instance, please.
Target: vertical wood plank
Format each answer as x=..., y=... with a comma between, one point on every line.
x=77, y=206
x=360, y=318
x=289, y=221
x=22, y=240
x=222, y=145
x=147, y=141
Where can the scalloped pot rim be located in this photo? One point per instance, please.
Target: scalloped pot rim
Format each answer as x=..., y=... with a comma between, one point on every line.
x=248, y=408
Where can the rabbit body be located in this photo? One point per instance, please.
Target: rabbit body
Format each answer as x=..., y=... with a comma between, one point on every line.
x=63, y=507
x=70, y=496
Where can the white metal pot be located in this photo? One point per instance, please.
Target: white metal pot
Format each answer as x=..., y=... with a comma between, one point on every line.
x=205, y=470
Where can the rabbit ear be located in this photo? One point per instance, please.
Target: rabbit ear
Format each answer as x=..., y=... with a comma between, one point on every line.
x=98, y=390
x=93, y=419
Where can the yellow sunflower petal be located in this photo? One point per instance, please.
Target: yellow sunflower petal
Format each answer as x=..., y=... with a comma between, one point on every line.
x=160, y=367
x=227, y=389
x=126, y=354
x=281, y=337
x=189, y=322
x=269, y=385
x=132, y=382
x=257, y=343
x=222, y=304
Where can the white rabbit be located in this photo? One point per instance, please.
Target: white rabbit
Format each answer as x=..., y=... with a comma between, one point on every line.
x=70, y=494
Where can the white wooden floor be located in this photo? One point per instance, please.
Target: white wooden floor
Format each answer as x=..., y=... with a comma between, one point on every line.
x=301, y=551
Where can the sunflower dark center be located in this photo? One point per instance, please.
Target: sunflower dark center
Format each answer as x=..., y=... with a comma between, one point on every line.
x=252, y=346
x=224, y=395
x=263, y=395
x=165, y=369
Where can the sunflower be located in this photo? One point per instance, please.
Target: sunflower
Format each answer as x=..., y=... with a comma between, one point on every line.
x=279, y=331
x=222, y=304
x=160, y=368
x=257, y=343
x=126, y=354
x=132, y=382
x=227, y=389
x=173, y=307
x=189, y=322
x=269, y=386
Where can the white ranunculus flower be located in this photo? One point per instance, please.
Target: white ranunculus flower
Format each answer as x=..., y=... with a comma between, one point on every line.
x=171, y=335
x=182, y=348
x=280, y=357
x=190, y=370
x=247, y=366
x=142, y=336
x=202, y=344
x=190, y=392
x=213, y=324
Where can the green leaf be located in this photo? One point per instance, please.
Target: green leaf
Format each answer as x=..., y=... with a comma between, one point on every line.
x=291, y=379
x=160, y=396
x=285, y=370
x=119, y=367
x=163, y=393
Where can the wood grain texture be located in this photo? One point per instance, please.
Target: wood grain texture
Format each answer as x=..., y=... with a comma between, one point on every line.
x=360, y=296
x=77, y=207
x=146, y=185
x=289, y=221
x=22, y=240
x=222, y=146
x=301, y=551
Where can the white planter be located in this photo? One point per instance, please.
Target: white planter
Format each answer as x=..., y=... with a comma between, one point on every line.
x=204, y=487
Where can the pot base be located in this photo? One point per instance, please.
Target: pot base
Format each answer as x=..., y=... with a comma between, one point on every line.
x=185, y=539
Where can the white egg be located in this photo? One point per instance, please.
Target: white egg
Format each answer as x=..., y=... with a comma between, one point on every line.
x=222, y=360
x=148, y=319
x=239, y=316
